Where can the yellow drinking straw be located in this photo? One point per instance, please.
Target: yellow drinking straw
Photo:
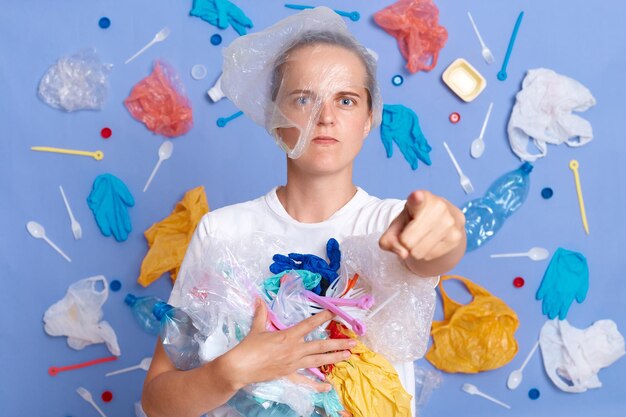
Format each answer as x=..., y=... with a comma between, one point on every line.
x=573, y=165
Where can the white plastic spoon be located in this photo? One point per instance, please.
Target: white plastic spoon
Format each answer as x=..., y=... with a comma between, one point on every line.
x=159, y=37
x=515, y=377
x=487, y=55
x=144, y=364
x=473, y=390
x=536, y=254
x=478, y=145
x=86, y=395
x=37, y=231
x=165, y=151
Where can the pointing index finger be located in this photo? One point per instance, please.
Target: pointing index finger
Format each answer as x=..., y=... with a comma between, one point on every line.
x=307, y=326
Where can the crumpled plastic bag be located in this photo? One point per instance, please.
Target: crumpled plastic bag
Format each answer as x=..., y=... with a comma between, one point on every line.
x=367, y=383
x=475, y=337
x=159, y=103
x=169, y=238
x=573, y=357
x=401, y=328
x=78, y=316
x=76, y=82
x=543, y=114
x=415, y=25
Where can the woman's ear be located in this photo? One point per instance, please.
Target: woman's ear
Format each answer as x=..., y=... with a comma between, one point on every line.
x=368, y=125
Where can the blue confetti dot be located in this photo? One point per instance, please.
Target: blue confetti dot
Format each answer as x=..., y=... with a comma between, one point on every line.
x=115, y=285
x=104, y=22
x=534, y=393
x=397, y=80
x=547, y=193
x=216, y=39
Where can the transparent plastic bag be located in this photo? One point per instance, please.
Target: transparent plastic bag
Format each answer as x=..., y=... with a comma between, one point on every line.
x=76, y=82
x=400, y=329
x=426, y=381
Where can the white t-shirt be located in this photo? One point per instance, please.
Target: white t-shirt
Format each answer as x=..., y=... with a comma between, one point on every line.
x=363, y=214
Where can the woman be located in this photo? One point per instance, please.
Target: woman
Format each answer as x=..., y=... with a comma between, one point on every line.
x=317, y=95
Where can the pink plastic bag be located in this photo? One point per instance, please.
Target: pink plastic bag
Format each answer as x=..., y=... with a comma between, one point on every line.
x=414, y=23
x=157, y=101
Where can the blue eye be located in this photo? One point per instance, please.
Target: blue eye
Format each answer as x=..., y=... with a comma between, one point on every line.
x=347, y=101
x=302, y=100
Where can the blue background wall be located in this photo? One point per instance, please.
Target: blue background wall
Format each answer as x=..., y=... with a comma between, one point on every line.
x=580, y=39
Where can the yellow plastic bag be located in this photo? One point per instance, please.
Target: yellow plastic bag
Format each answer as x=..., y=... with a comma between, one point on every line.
x=169, y=238
x=473, y=337
x=367, y=384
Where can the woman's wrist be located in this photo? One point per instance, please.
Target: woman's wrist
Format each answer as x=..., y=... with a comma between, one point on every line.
x=225, y=368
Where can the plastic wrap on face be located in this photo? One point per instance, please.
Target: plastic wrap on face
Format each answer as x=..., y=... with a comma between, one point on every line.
x=76, y=82
x=415, y=24
x=262, y=77
x=159, y=103
x=398, y=325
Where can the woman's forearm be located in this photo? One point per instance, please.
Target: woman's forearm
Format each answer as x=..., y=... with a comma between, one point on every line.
x=187, y=393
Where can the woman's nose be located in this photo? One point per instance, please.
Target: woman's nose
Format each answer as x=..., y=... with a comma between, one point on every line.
x=327, y=113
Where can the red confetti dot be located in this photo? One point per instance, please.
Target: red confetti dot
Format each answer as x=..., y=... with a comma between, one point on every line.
x=106, y=133
x=107, y=396
x=455, y=117
x=518, y=282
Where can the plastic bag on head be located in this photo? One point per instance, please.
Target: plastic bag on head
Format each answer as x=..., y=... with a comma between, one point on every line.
x=254, y=77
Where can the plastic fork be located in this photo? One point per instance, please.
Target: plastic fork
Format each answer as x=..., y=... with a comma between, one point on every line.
x=86, y=395
x=487, y=55
x=159, y=37
x=144, y=364
x=466, y=184
x=77, y=231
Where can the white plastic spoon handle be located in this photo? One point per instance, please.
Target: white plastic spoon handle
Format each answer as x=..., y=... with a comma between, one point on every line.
x=487, y=397
x=482, y=131
x=56, y=248
x=510, y=255
x=383, y=304
x=530, y=355
x=121, y=371
x=456, y=164
x=480, y=39
x=156, y=167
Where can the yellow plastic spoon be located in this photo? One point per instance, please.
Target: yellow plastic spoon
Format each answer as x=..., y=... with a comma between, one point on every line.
x=573, y=165
x=97, y=155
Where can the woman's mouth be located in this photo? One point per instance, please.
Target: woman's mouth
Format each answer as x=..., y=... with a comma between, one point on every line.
x=324, y=140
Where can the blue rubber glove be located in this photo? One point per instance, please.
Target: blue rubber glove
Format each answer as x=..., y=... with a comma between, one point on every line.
x=312, y=263
x=566, y=278
x=221, y=13
x=109, y=201
x=401, y=125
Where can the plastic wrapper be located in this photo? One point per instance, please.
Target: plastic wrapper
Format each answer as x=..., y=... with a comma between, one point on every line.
x=474, y=337
x=255, y=76
x=158, y=102
x=76, y=82
x=426, y=381
x=415, y=24
x=400, y=329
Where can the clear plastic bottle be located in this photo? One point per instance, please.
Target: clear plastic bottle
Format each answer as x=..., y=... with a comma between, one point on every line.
x=485, y=216
x=142, y=310
x=179, y=336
